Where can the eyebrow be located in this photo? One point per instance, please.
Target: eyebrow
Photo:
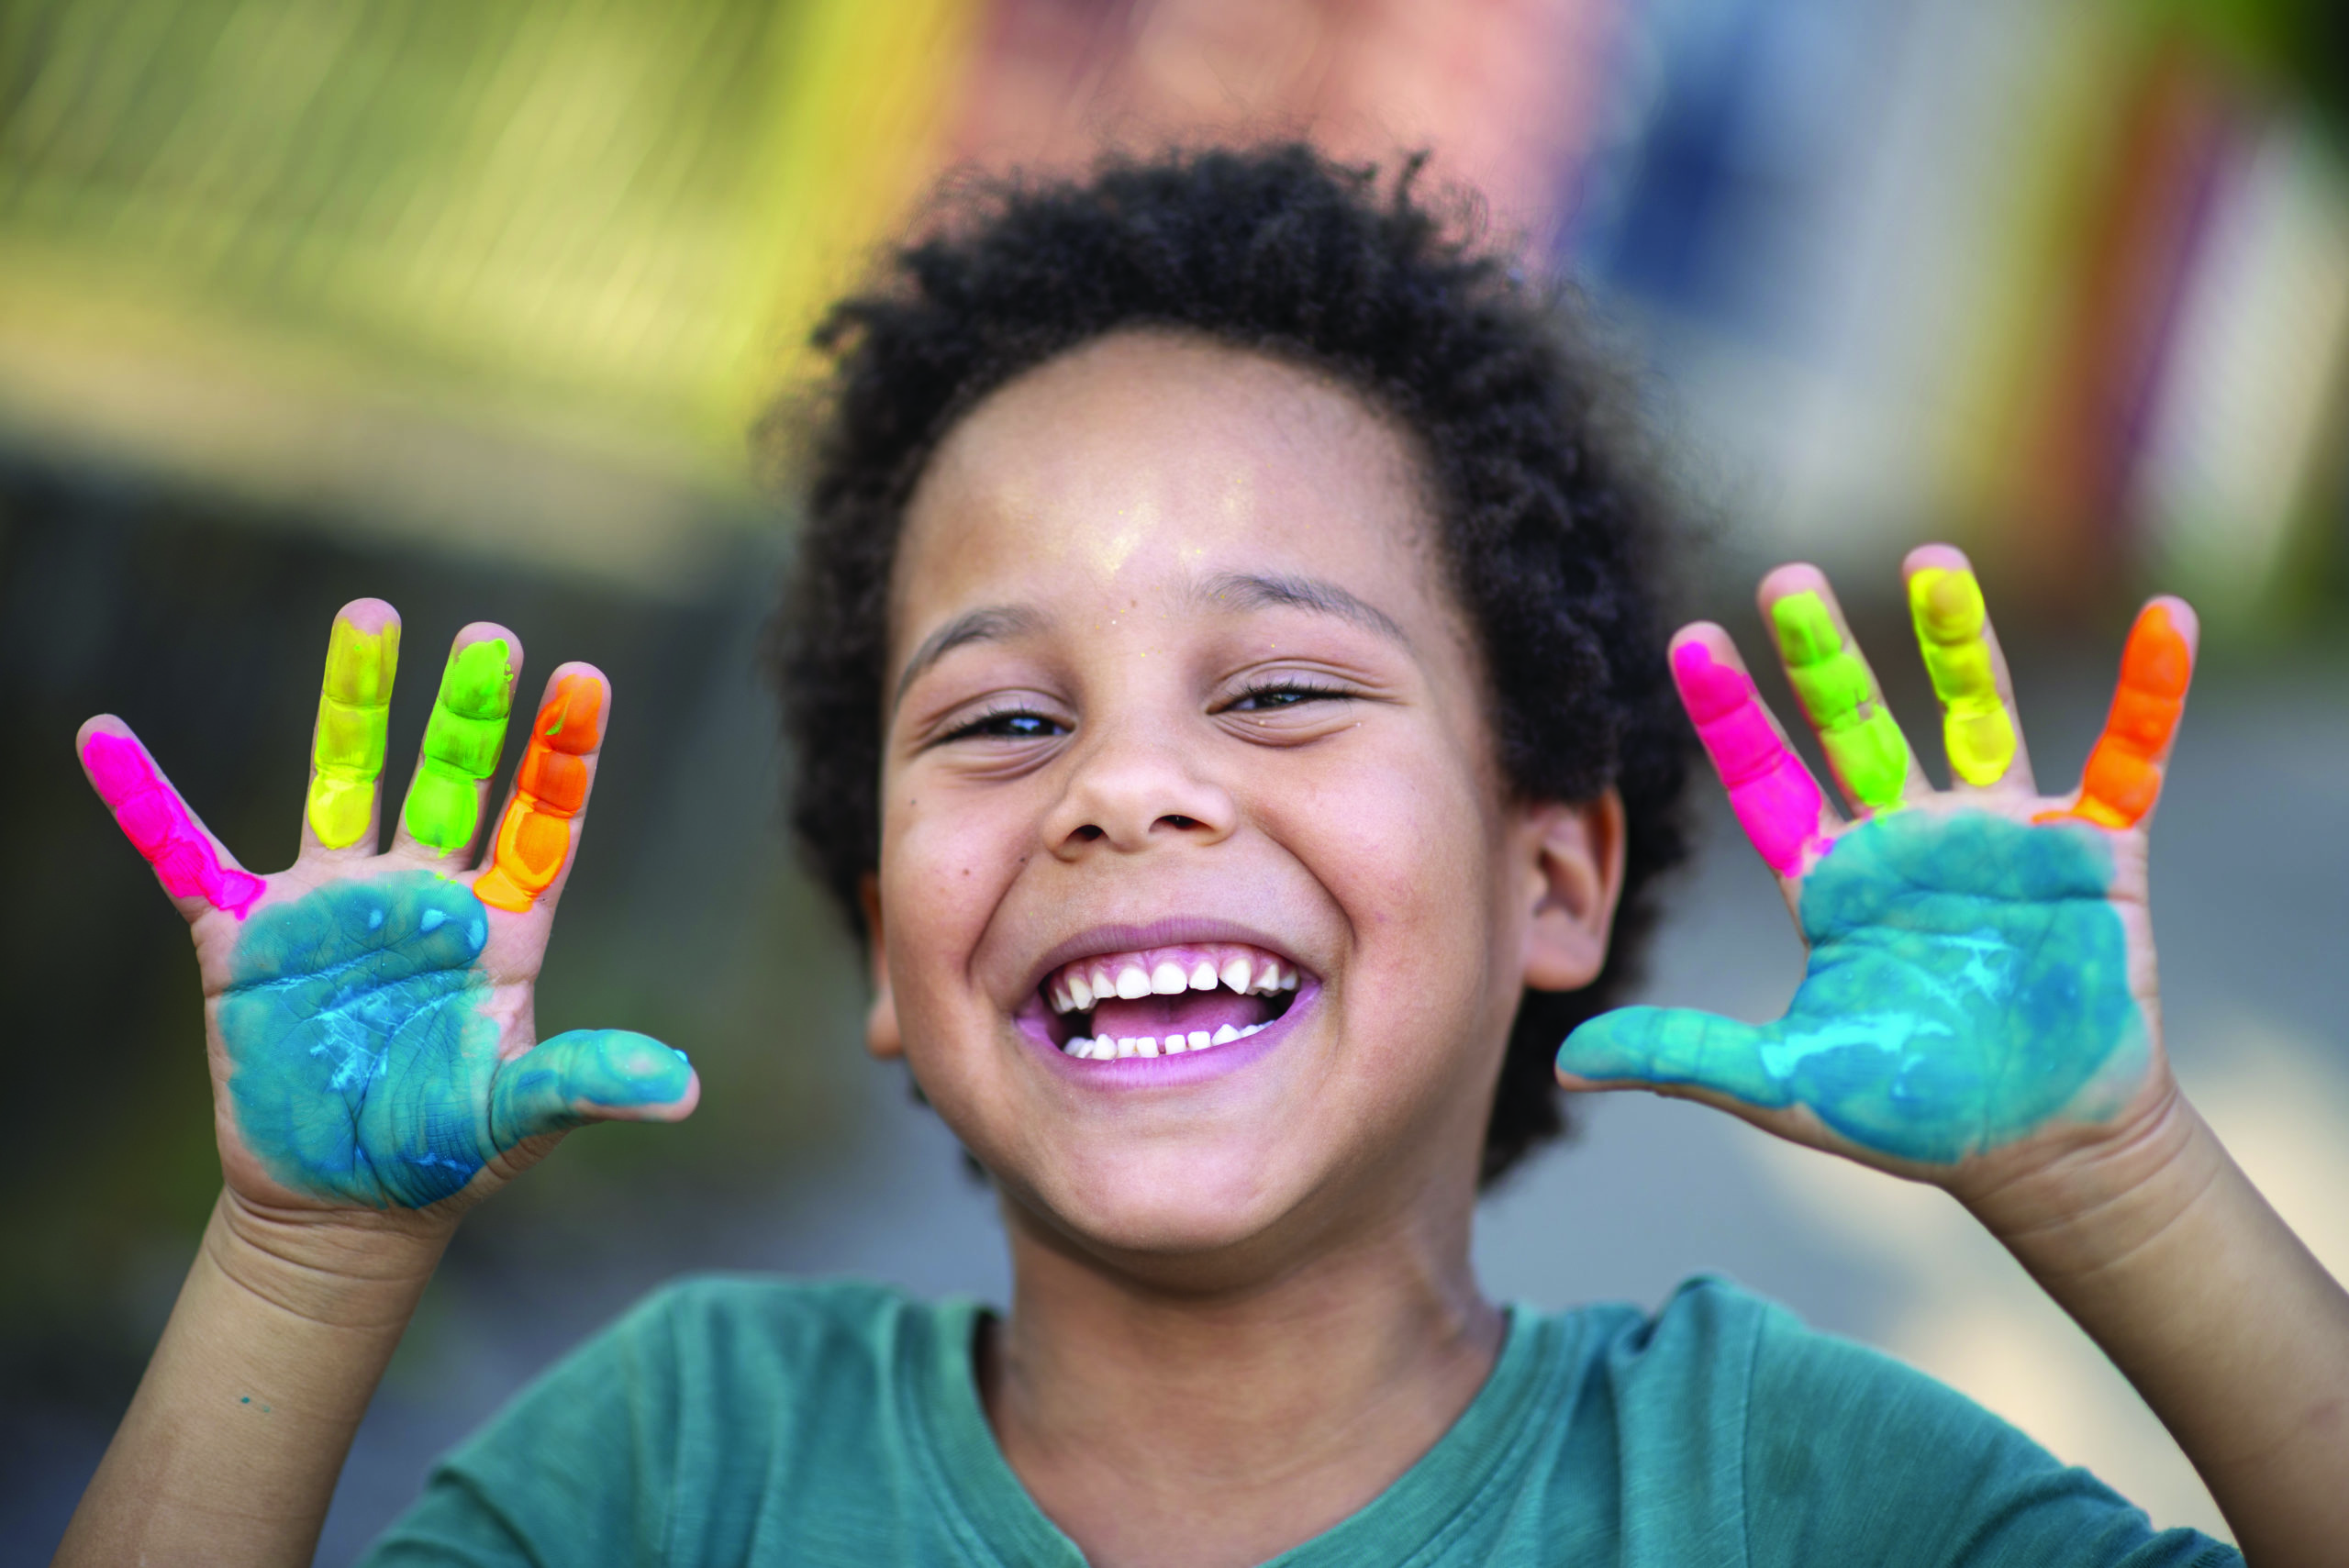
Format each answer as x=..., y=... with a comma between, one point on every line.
x=1253, y=591
x=992, y=623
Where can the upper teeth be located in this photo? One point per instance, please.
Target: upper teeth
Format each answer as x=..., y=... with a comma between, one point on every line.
x=1131, y=975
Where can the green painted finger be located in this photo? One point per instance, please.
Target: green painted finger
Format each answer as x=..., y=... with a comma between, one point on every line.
x=579, y=1077
x=354, y=710
x=1946, y=607
x=1866, y=747
x=463, y=740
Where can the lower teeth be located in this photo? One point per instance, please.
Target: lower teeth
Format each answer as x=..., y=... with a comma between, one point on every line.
x=1104, y=1049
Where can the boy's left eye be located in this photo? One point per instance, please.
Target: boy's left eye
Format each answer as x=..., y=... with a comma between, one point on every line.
x=1276, y=695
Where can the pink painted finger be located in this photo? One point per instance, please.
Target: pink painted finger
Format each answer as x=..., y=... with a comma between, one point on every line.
x=1776, y=801
x=158, y=825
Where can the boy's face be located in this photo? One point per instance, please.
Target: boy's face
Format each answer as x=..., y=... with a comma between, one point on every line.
x=1178, y=696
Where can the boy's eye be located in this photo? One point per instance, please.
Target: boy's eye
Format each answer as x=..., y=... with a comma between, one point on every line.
x=1015, y=725
x=1282, y=694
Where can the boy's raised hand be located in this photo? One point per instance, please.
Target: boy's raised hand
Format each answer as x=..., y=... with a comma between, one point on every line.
x=369, y=1016
x=1980, y=995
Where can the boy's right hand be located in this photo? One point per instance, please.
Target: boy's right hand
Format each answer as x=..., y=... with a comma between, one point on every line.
x=369, y=1018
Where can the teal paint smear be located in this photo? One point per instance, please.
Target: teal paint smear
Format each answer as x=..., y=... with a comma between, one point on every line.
x=362, y=1068
x=1968, y=978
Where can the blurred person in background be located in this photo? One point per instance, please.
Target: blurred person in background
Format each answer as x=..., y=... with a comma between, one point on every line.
x=1233, y=709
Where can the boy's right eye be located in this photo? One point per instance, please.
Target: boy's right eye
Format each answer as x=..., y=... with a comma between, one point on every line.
x=1013, y=724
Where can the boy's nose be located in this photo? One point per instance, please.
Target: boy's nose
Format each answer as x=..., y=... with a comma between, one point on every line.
x=1130, y=789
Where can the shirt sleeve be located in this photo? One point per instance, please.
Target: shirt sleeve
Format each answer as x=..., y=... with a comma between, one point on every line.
x=574, y=1471
x=1852, y=1457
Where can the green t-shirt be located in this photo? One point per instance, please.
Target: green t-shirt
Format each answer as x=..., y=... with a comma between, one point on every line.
x=760, y=1422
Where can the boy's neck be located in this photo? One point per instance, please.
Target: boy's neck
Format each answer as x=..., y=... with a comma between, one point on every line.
x=1125, y=1403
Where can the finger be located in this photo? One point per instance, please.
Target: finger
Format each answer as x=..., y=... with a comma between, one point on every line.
x=462, y=742
x=193, y=867
x=535, y=837
x=355, y=711
x=1838, y=693
x=1776, y=801
x=1673, y=1046
x=2123, y=777
x=589, y=1075
x=1980, y=733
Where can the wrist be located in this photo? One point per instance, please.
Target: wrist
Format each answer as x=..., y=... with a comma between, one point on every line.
x=358, y=1270
x=2090, y=1204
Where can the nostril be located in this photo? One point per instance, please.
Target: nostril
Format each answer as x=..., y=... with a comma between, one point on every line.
x=1089, y=833
x=1179, y=821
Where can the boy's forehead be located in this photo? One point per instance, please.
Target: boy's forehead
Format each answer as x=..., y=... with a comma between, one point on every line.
x=1140, y=463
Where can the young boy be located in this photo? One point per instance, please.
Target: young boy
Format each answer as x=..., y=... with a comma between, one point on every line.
x=1228, y=697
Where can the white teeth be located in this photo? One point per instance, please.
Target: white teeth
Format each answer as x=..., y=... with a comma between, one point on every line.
x=1078, y=991
x=1103, y=1048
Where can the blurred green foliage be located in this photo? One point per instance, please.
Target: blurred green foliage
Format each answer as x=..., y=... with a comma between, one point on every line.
x=2302, y=45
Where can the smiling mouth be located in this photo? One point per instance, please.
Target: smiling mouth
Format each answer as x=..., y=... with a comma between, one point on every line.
x=1164, y=1001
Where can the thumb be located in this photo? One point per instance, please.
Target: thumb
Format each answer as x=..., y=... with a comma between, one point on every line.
x=589, y=1075
x=1675, y=1046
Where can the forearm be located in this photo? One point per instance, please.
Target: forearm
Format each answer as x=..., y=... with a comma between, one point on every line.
x=2233, y=1333
x=231, y=1447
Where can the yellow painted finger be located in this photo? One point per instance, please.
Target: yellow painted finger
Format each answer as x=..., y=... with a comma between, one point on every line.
x=549, y=789
x=1977, y=730
x=355, y=711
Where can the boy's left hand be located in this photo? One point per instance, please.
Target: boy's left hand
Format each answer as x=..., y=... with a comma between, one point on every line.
x=1980, y=998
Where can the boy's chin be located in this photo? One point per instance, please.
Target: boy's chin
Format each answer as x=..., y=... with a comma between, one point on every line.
x=1168, y=1218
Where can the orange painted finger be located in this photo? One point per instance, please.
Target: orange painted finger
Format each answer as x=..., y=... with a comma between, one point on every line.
x=2123, y=777
x=534, y=835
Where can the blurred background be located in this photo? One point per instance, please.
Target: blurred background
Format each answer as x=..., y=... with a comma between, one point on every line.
x=471, y=306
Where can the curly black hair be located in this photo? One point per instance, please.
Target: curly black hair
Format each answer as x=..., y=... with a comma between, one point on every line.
x=1550, y=526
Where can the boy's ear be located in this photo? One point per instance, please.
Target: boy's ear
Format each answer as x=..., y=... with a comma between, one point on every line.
x=882, y=1037
x=1574, y=874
